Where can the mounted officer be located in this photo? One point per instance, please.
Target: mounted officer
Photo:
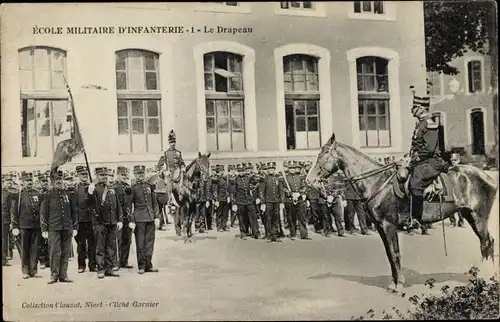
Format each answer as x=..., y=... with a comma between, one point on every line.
x=174, y=163
x=426, y=162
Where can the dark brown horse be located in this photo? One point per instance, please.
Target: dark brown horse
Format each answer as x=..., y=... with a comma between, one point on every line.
x=183, y=191
x=373, y=182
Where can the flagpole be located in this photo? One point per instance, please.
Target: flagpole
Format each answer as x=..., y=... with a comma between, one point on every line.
x=77, y=128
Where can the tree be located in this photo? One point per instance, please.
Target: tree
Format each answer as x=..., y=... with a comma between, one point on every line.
x=453, y=28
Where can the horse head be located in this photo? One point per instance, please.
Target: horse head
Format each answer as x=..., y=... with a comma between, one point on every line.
x=202, y=164
x=329, y=161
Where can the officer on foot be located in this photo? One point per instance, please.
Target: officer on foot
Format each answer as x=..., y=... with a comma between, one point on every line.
x=272, y=195
x=59, y=224
x=124, y=236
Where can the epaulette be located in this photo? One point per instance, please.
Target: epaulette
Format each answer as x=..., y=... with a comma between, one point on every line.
x=431, y=124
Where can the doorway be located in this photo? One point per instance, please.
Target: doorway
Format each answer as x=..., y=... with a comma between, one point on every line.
x=438, y=117
x=477, y=132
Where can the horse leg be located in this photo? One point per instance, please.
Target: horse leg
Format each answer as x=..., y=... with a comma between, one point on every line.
x=479, y=224
x=388, y=232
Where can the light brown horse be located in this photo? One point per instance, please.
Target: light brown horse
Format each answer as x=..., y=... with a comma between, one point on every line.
x=373, y=182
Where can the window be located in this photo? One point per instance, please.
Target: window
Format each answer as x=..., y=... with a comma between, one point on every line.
x=308, y=5
x=474, y=74
x=373, y=102
x=139, y=102
x=224, y=100
x=439, y=118
x=374, y=7
x=435, y=84
x=44, y=108
x=301, y=85
x=226, y=7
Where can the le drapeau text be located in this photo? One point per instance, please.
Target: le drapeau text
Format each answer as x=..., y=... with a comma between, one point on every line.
x=112, y=30
x=89, y=305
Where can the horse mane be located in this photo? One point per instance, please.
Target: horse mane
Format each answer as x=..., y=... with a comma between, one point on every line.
x=359, y=153
x=190, y=170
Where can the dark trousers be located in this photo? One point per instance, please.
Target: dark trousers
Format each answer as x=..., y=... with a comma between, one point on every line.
x=333, y=213
x=201, y=221
x=355, y=207
x=124, y=238
x=144, y=244
x=247, y=219
x=317, y=216
x=59, y=251
x=178, y=220
x=263, y=218
x=296, y=214
x=105, y=238
x=30, y=240
x=5, y=242
x=273, y=219
x=222, y=215
x=86, y=245
x=233, y=216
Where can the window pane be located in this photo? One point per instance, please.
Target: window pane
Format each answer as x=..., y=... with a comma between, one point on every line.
x=369, y=83
x=288, y=82
x=312, y=82
x=207, y=62
x=382, y=123
x=135, y=60
x=371, y=107
x=295, y=4
x=136, y=80
x=209, y=82
x=361, y=85
x=223, y=124
x=357, y=6
x=235, y=84
x=57, y=59
x=41, y=59
x=372, y=122
x=236, y=108
x=307, y=4
x=26, y=78
x=237, y=124
x=235, y=64
x=210, y=125
x=152, y=107
x=382, y=84
x=381, y=66
x=382, y=107
x=300, y=123
x=25, y=59
x=137, y=126
x=122, y=109
x=153, y=125
x=137, y=108
x=221, y=83
x=361, y=109
x=299, y=82
x=42, y=79
x=362, y=125
x=312, y=107
x=120, y=61
x=58, y=80
x=149, y=61
x=310, y=65
x=222, y=108
x=367, y=66
x=287, y=65
x=378, y=7
x=297, y=65
x=151, y=83
x=122, y=126
x=210, y=108
x=121, y=80
x=299, y=107
x=312, y=123
x=367, y=6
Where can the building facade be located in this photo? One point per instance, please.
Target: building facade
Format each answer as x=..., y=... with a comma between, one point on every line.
x=258, y=81
x=463, y=104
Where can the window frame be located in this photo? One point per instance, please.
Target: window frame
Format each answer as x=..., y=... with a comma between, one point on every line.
x=229, y=94
x=389, y=8
x=468, y=77
x=440, y=79
x=48, y=95
x=143, y=96
x=230, y=129
x=317, y=10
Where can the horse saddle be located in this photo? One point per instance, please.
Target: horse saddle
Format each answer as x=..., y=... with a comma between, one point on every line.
x=441, y=187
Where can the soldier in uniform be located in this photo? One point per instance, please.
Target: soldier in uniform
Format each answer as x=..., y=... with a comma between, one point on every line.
x=231, y=169
x=201, y=192
x=261, y=207
x=175, y=166
x=243, y=201
x=222, y=198
x=426, y=162
x=272, y=195
x=9, y=193
x=124, y=236
x=86, y=246
x=25, y=212
x=107, y=219
x=43, y=251
x=143, y=220
x=333, y=207
x=295, y=199
x=59, y=223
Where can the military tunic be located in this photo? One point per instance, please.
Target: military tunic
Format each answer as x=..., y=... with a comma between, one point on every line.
x=296, y=209
x=86, y=245
x=7, y=197
x=143, y=200
x=221, y=193
x=58, y=217
x=124, y=236
x=244, y=186
x=272, y=194
x=25, y=212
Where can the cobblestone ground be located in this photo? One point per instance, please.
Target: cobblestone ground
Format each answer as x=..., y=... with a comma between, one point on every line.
x=220, y=277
